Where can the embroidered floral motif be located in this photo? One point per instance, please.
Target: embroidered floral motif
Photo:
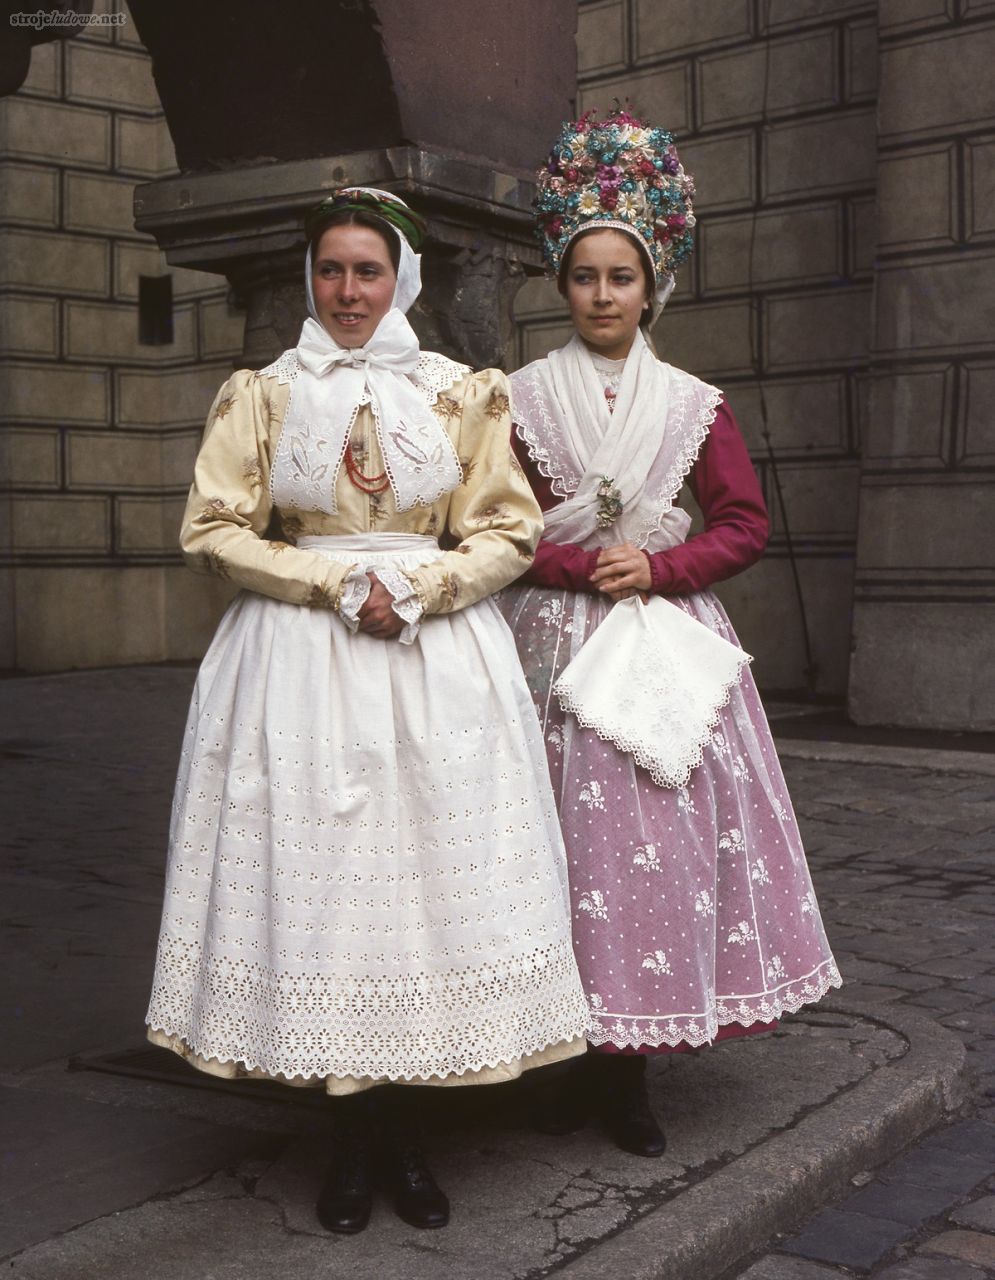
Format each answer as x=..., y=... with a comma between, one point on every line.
x=775, y=969
x=464, y=549
x=449, y=585
x=684, y=802
x=277, y=548
x=487, y=517
x=497, y=404
x=703, y=905
x=758, y=872
x=555, y=739
x=214, y=509
x=732, y=840
x=524, y=548
x=447, y=408
x=742, y=934
x=808, y=904
x=591, y=795
x=719, y=743
x=657, y=963
x=739, y=770
x=378, y=508
x=516, y=467
x=596, y=1003
x=321, y=596
x=214, y=562
x=647, y=857
x=594, y=904
x=551, y=611
x=468, y=466
x=252, y=473
x=224, y=407
x=292, y=526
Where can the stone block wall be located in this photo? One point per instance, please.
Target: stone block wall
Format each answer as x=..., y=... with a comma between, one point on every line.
x=98, y=431
x=773, y=105
x=925, y=587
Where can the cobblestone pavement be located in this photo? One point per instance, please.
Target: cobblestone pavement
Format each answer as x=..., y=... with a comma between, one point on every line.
x=903, y=860
x=902, y=855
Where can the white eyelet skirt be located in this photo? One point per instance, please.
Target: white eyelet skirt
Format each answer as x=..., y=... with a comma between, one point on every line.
x=366, y=878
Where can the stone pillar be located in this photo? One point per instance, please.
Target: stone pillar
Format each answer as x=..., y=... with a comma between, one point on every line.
x=924, y=609
x=451, y=110
x=248, y=225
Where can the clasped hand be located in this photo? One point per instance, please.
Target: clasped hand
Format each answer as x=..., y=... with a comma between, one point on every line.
x=622, y=571
x=377, y=616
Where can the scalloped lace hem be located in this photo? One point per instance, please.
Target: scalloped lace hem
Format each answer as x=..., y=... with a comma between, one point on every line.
x=670, y=774
x=234, y=1068
x=631, y=1031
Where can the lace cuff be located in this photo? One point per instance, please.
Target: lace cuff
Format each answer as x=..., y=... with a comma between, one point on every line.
x=407, y=603
x=354, y=594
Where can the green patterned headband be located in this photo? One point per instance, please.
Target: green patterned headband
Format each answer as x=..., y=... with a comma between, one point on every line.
x=355, y=200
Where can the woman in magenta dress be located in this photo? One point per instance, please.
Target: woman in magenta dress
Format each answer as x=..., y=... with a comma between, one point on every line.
x=694, y=916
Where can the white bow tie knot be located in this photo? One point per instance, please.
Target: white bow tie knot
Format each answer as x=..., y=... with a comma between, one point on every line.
x=377, y=372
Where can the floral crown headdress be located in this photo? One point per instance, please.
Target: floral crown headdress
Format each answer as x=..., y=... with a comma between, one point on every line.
x=619, y=173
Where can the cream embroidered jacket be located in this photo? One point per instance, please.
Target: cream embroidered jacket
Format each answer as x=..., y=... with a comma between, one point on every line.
x=231, y=527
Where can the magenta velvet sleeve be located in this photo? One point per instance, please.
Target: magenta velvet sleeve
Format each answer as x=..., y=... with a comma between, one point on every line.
x=569, y=565
x=726, y=489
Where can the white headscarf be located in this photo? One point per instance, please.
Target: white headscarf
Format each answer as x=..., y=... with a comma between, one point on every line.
x=336, y=381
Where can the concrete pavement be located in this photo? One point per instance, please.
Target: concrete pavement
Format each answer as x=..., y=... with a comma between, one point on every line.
x=111, y=1176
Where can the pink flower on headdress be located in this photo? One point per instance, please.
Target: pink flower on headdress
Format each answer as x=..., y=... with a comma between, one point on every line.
x=554, y=226
x=646, y=168
x=572, y=174
x=609, y=198
x=677, y=220
x=609, y=176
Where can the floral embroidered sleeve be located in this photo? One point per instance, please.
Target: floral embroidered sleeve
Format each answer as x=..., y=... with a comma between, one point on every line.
x=493, y=514
x=229, y=507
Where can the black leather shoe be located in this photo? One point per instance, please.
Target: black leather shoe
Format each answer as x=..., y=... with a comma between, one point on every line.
x=625, y=1107
x=418, y=1199
x=346, y=1197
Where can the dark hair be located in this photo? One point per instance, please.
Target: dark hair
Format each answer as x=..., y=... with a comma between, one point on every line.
x=358, y=218
x=648, y=277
